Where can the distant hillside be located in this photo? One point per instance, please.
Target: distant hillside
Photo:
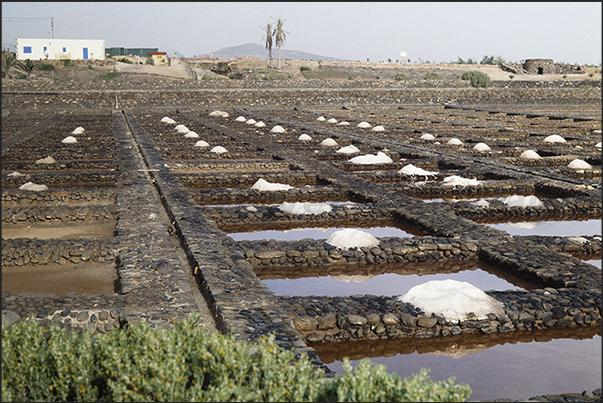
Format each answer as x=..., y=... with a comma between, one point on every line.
x=252, y=49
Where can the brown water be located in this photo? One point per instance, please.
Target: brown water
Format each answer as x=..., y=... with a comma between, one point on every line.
x=104, y=230
x=590, y=227
x=516, y=365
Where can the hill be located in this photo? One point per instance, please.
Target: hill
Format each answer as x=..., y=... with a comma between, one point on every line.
x=255, y=50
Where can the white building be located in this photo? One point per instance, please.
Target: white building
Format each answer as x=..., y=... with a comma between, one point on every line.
x=56, y=49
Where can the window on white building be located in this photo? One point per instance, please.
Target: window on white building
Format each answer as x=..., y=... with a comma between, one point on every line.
x=26, y=49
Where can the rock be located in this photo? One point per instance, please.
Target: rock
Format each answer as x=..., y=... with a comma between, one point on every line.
x=305, y=323
x=356, y=320
x=426, y=322
x=327, y=321
x=408, y=320
x=9, y=318
x=390, y=319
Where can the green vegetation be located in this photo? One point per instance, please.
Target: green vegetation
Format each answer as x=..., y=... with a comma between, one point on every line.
x=28, y=67
x=125, y=60
x=111, y=75
x=492, y=60
x=468, y=61
x=432, y=75
x=304, y=68
x=511, y=76
x=46, y=67
x=185, y=363
x=9, y=60
x=67, y=62
x=477, y=78
x=401, y=77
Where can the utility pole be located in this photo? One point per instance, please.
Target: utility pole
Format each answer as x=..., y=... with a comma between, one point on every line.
x=52, y=26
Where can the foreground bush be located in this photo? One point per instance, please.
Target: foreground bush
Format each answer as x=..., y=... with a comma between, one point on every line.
x=477, y=78
x=185, y=363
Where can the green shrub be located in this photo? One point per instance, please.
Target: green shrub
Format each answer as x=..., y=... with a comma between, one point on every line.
x=111, y=75
x=467, y=75
x=432, y=75
x=46, y=67
x=304, y=68
x=186, y=363
x=235, y=76
x=477, y=78
x=511, y=76
x=125, y=60
x=67, y=62
x=401, y=77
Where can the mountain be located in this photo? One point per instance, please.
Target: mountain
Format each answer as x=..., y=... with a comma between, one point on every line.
x=254, y=50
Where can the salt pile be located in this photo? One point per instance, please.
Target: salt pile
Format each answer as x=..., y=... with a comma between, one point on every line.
x=344, y=123
x=455, y=180
x=455, y=142
x=332, y=120
x=251, y=122
x=351, y=149
x=201, y=143
x=380, y=158
x=454, y=300
x=555, y=138
x=78, y=130
x=378, y=129
x=277, y=129
x=364, y=125
x=260, y=124
x=412, y=170
x=218, y=150
x=529, y=155
x=579, y=164
x=428, y=136
x=481, y=147
x=304, y=137
x=69, y=139
x=321, y=118
x=219, y=114
x=240, y=119
x=168, y=120
x=191, y=134
x=598, y=144
x=522, y=201
x=481, y=203
x=305, y=208
x=352, y=238
x=328, y=142
x=263, y=185
x=47, y=160
x=33, y=187
x=182, y=129
x=15, y=174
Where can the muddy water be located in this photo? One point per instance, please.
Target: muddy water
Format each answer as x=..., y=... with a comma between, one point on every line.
x=104, y=230
x=84, y=277
x=516, y=365
x=590, y=227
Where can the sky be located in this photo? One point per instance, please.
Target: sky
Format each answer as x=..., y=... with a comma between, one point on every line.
x=437, y=32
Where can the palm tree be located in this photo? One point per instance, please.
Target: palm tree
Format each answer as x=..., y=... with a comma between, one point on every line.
x=280, y=36
x=268, y=36
x=28, y=67
x=9, y=60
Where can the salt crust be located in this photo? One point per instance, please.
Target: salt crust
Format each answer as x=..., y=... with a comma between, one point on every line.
x=305, y=208
x=264, y=185
x=351, y=238
x=455, y=180
x=33, y=187
x=351, y=149
x=380, y=158
x=522, y=201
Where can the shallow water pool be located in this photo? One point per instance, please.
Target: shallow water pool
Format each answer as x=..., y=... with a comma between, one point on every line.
x=297, y=234
x=590, y=227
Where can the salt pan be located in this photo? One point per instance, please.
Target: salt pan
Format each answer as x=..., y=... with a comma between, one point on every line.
x=263, y=185
x=380, y=158
x=305, y=208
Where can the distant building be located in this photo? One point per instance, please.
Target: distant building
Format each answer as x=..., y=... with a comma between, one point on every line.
x=120, y=51
x=57, y=49
x=159, y=58
x=539, y=66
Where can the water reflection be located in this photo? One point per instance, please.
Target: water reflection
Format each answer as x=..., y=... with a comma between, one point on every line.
x=590, y=227
x=516, y=365
x=296, y=234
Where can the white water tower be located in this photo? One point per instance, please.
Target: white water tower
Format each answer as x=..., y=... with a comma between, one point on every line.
x=403, y=57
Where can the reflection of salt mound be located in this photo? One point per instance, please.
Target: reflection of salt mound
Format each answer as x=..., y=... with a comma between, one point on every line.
x=332, y=120
x=201, y=143
x=351, y=149
x=351, y=238
x=364, y=125
x=380, y=158
x=78, y=130
x=69, y=139
x=412, y=170
x=344, y=123
x=454, y=300
x=263, y=185
x=481, y=147
x=47, y=160
x=277, y=129
x=522, y=201
x=218, y=150
x=455, y=180
x=33, y=187
x=251, y=122
x=240, y=119
x=191, y=134
x=260, y=124
x=428, y=136
x=328, y=142
x=353, y=279
x=378, y=129
x=529, y=155
x=304, y=137
x=554, y=138
x=305, y=208
x=524, y=225
x=321, y=118
x=455, y=142
x=456, y=351
x=579, y=164
x=481, y=203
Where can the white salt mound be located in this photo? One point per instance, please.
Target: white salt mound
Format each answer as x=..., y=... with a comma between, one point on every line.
x=218, y=150
x=33, y=187
x=481, y=147
x=554, y=138
x=201, y=143
x=522, y=201
x=321, y=118
x=251, y=122
x=304, y=137
x=351, y=149
x=69, y=139
x=412, y=170
x=15, y=174
x=168, y=120
x=332, y=120
x=277, y=129
x=529, y=155
x=454, y=300
x=598, y=144
x=220, y=114
x=182, y=129
x=47, y=160
x=305, y=208
x=455, y=180
x=191, y=134
x=78, y=130
x=240, y=119
x=378, y=129
x=328, y=142
x=597, y=131
x=344, y=123
x=352, y=238
x=579, y=164
x=380, y=158
x=481, y=203
x=260, y=124
x=455, y=142
x=428, y=136
x=263, y=185
x=364, y=125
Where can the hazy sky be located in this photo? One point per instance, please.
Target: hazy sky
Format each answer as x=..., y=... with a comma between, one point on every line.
x=437, y=32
